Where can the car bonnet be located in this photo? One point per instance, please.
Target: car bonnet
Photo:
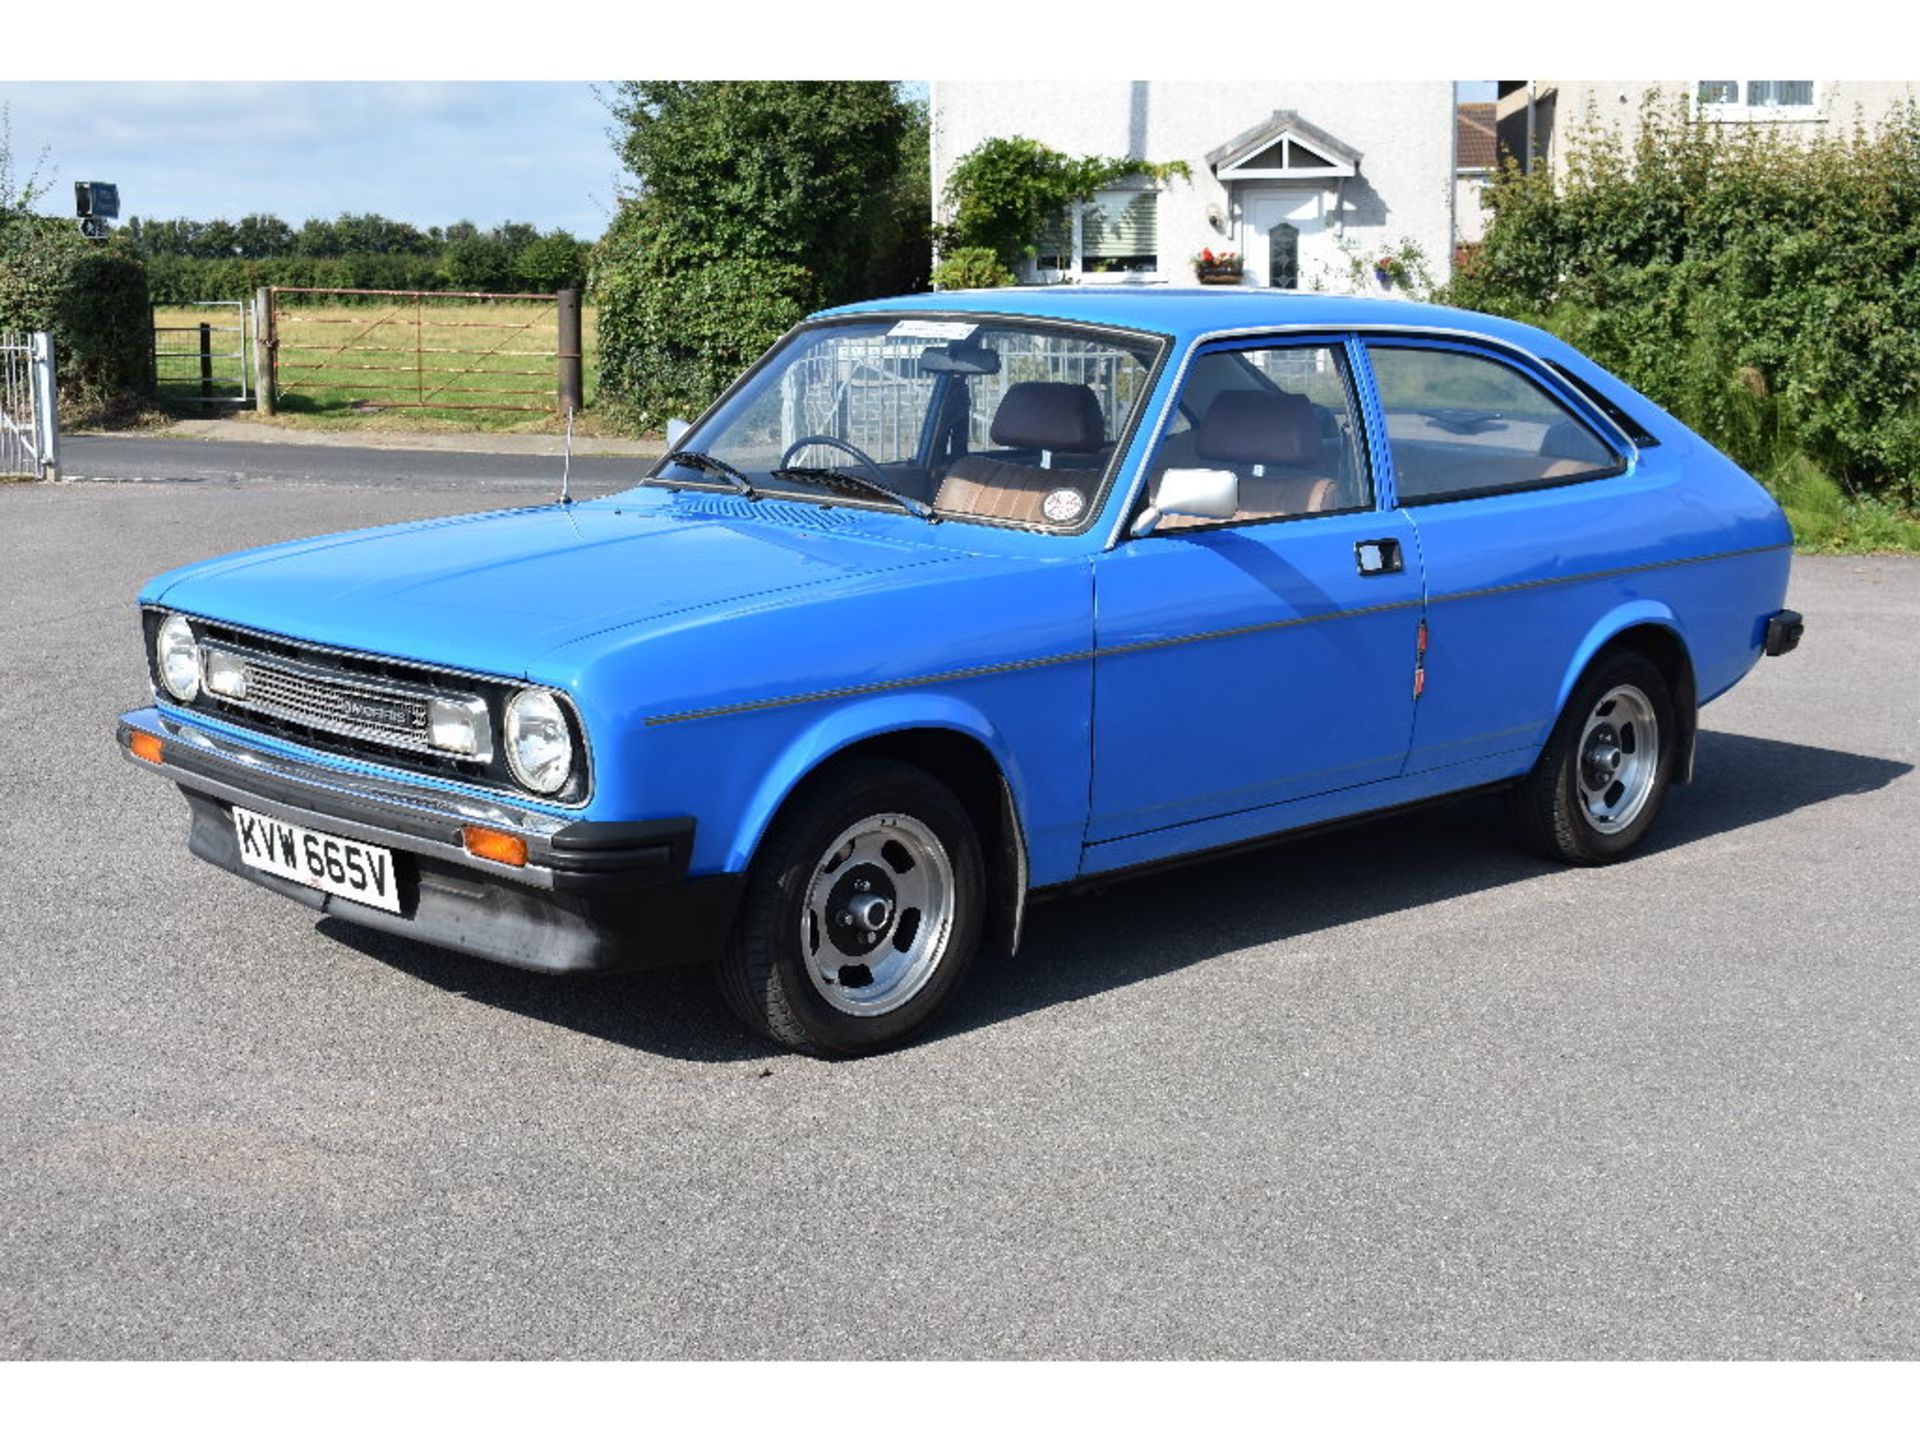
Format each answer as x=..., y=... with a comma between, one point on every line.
x=492, y=592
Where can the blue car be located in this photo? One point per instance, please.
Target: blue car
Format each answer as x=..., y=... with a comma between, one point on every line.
x=959, y=600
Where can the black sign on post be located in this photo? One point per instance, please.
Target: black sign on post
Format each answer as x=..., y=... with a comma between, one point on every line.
x=96, y=199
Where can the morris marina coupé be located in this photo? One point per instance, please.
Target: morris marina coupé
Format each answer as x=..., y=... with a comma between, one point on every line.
x=959, y=599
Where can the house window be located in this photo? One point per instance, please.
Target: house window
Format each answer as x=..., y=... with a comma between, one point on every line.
x=1117, y=232
x=1054, y=249
x=1734, y=98
x=1780, y=92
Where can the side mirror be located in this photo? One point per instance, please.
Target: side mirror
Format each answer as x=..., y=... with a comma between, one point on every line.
x=1207, y=494
x=676, y=432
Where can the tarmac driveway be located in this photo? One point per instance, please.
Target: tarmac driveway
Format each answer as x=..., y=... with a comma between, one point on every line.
x=1396, y=1092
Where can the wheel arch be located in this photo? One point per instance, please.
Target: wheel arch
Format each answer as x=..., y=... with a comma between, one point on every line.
x=950, y=740
x=1649, y=628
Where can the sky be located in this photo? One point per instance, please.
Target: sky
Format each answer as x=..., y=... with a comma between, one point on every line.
x=427, y=153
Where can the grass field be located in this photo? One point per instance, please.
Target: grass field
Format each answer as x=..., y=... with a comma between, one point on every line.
x=429, y=365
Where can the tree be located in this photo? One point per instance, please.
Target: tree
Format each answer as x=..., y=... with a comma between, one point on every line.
x=754, y=201
x=264, y=237
x=218, y=240
x=479, y=262
x=792, y=171
x=555, y=261
x=17, y=195
x=903, y=237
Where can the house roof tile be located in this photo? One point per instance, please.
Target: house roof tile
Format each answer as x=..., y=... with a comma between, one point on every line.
x=1475, y=144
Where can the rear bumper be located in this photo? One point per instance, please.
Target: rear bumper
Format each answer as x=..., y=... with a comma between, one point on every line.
x=593, y=895
x=1784, y=629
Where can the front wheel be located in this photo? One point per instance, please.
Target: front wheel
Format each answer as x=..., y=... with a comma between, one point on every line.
x=862, y=912
x=1601, y=779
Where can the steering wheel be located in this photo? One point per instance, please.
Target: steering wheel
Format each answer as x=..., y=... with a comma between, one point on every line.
x=834, y=442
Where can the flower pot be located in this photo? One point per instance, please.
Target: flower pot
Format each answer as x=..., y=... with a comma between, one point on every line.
x=1218, y=277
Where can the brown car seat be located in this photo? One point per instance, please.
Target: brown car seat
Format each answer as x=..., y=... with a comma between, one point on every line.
x=1043, y=415
x=1272, y=440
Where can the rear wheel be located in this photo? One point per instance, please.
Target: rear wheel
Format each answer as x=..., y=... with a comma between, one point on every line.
x=862, y=913
x=1600, y=781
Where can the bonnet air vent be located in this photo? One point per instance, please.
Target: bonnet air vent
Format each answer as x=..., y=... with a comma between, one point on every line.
x=775, y=512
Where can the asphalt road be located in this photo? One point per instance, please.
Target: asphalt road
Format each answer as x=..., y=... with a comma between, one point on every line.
x=1396, y=1092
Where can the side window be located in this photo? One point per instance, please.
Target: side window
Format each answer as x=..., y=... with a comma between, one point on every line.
x=1461, y=425
x=1283, y=420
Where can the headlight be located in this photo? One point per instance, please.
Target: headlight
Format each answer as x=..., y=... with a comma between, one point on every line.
x=178, y=654
x=539, y=747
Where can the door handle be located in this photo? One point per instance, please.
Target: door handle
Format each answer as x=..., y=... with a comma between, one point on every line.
x=1377, y=557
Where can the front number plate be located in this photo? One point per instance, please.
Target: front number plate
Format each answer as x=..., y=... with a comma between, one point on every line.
x=326, y=862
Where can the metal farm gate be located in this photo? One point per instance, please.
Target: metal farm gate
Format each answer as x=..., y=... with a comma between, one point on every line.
x=29, y=424
x=420, y=350
x=207, y=360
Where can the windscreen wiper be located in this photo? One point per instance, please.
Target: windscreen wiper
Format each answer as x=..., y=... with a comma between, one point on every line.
x=712, y=465
x=849, y=480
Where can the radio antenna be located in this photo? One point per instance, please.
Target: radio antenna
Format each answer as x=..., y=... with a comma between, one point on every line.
x=566, y=465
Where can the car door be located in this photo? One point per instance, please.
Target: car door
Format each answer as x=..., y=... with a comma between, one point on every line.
x=1244, y=663
x=1530, y=522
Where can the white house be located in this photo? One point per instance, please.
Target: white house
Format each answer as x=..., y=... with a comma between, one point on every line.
x=1309, y=181
x=1540, y=118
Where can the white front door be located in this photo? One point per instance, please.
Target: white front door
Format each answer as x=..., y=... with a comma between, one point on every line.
x=1284, y=227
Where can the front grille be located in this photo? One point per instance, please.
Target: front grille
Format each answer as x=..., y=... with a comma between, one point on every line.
x=333, y=704
x=370, y=708
x=328, y=701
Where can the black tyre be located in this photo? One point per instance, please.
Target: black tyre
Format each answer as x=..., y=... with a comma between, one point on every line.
x=1599, y=783
x=862, y=912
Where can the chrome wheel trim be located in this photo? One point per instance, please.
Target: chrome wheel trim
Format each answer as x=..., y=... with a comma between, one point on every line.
x=887, y=877
x=1617, y=759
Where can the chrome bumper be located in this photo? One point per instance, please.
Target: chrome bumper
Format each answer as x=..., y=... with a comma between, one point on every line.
x=593, y=895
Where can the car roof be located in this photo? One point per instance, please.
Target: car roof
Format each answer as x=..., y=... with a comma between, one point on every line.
x=1188, y=312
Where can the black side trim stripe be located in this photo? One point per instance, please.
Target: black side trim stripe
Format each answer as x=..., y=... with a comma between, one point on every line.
x=979, y=671
x=1263, y=626
x=875, y=688
x=1603, y=574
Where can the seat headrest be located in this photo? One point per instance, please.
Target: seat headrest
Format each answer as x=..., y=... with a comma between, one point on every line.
x=1568, y=440
x=1047, y=415
x=1259, y=427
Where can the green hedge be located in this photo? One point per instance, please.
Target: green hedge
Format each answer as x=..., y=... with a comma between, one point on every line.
x=1762, y=286
x=92, y=296
x=972, y=267
x=670, y=340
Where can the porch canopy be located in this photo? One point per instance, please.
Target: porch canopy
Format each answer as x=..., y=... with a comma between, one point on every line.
x=1283, y=147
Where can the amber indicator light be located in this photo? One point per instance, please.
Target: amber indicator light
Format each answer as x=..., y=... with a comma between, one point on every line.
x=495, y=845
x=146, y=746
